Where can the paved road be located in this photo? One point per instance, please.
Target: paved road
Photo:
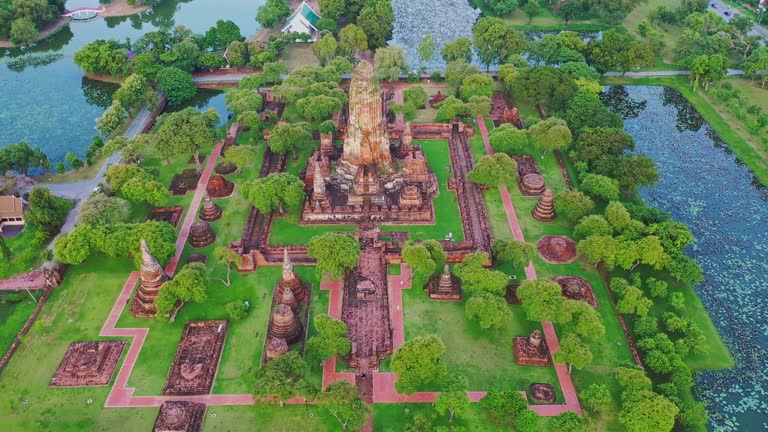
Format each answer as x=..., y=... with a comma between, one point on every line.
x=723, y=7
x=80, y=191
x=731, y=72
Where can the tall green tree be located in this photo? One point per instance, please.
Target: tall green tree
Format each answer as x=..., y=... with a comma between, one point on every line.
x=419, y=361
x=290, y=137
x=276, y=191
x=457, y=49
x=325, y=48
x=517, y=253
x=376, y=19
x=550, y=134
x=189, y=284
x=283, y=377
x=488, y=309
x=343, y=401
x=573, y=352
x=454, y=398
x=176, y=84
x=390, y=63
x=185, y=132
x=352, y=41
x=272, y=12
x=335, y=253
x=20, y=156
x=543, y=301
x=228, y=258
x=331, y=339
x=495, y=41
x=426, y=49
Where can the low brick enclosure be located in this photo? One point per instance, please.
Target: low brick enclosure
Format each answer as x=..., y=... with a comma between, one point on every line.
x=88, y=364
x=197, y=358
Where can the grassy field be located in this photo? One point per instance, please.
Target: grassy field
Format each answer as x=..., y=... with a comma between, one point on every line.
x=486, y=357
x=749, y=149
x=395, y=417
x=670, y=33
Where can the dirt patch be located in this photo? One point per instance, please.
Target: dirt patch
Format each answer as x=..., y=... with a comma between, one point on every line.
x=121, y=8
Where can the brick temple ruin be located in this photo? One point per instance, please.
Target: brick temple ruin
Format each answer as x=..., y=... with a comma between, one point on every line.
x=152, y=277
x=88, y=364
x=180, y=416
x=197, y=358
x=365, y=309
x=371, y=181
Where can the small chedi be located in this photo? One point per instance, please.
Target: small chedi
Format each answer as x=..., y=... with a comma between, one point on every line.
x=219, y=187
x=285, y=324
x=88, y=364
x=545, y=208
x=210, y=211
x=180, y=416
x=152, y=278
x=184, y=182
x=370, y=182
x=444, y=287
x=197, y=358
x=557, y=249
x=290, y=281
x=532, y=184
x=276, y=348
x=576, y=288
x=201, y=235
x=542, y=393
x=531, y=351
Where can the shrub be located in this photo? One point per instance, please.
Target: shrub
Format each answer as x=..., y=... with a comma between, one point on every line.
x=237, y=310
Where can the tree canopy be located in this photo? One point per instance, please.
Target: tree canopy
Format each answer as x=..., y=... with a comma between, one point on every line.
x=334, y=253
x=418, y=361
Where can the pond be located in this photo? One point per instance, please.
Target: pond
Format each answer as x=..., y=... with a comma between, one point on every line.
x=705, y=186
x=48, y=102
x=445, y=21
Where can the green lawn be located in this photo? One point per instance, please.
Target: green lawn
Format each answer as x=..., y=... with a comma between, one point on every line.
x=394, y=418
x=486, y=357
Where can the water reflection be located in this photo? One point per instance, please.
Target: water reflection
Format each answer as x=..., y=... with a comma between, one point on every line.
x=703, y=185
x=46, y=100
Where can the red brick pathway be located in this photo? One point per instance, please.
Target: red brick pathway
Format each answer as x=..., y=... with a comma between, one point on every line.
x=121, y=395
x=566, y=384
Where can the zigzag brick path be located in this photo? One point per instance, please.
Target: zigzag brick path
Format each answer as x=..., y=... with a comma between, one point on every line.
x=566, y=384
x=121, y=395
x=383, y=382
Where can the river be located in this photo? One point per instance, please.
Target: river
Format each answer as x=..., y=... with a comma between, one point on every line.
x=705, y=186
x=46, y=99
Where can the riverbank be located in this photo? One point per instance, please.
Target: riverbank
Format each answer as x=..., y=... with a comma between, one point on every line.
x=745, y=146
x=114, y=9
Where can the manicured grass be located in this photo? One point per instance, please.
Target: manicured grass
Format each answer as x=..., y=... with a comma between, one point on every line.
x=746, y=147
x=486, y=357
x=394, y=418
x=24, y=256
x=545, y=21
x=76, y=311
x=13, y=316
x=289, y=418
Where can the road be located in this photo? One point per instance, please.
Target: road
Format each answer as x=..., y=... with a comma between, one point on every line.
x=80, y=191
x=722, y=7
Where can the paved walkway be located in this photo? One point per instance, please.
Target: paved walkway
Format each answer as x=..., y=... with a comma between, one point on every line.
x=731, y=72
x=82, y=190
x=566, y=384
x=721, y=8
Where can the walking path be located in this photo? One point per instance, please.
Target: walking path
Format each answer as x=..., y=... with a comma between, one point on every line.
x=80, y=191
x=121, y=395
x=566, y=384
x=731, y=72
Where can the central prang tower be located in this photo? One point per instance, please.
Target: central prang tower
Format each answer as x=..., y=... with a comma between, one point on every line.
x=366, y=143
